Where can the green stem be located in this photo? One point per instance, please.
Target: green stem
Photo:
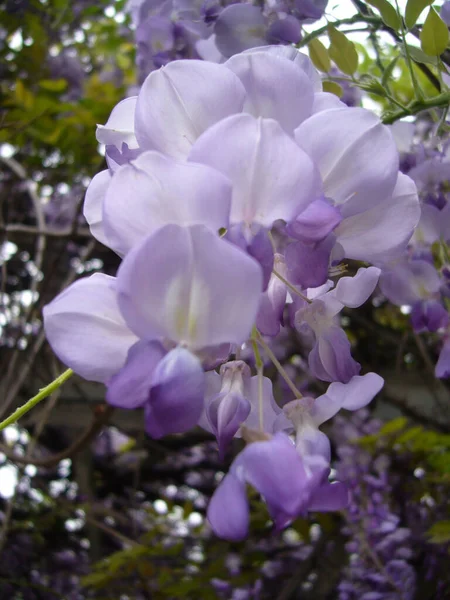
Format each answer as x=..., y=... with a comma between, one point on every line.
x=440, y=101
x=43, y=393
x=349, y=21
x=415, y=83
x=279, y=367
x=290, y=287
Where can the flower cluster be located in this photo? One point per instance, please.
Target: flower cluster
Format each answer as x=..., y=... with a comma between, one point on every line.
x=233, y=194
x=379, y=546
x=419, y=280
x=214, y=29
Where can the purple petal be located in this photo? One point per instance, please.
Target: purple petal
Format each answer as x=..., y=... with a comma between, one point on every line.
x=256, y=242
x=239, y=26
x=355, y=394
x=428, y=315
x=155, y=190
x=355, y=154
x=408, y=282
x=226, y=413
x=86, y=330
x=442, y=370
x=130, y=387
x=308, y=264
x=326, y=101
x=276, y=470
x=318, y=220
x=276, y=88
x=284, y=31
x=382, y=232
x=176, y=399
x=177, y=103
x=272, y=178
x=271, y=308
x=354, y=291
x=300, y=60
x=330, y=359
x=190, y=286
x=228, y=510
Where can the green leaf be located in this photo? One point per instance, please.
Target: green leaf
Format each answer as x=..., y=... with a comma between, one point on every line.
x=319, y=55
x=418, y=56
x=53, y=85
x=388, y=71
x=388, y=13
x=413, y=11
x=440, y=532
x=342, y=51
x=434, y=34
x=333, y=88
x=394, y=426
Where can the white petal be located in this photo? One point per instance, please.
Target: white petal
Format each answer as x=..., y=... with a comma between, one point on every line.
x=188, y=285
x=86, y=330
x=272, y=177
x=155, y=190
x=383, y=232
x=178, y=102
x=119, y=128
x=275, y=88
x=93, y=205
x=355, y=154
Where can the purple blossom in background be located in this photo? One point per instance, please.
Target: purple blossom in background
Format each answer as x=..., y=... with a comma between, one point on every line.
x=214, y=29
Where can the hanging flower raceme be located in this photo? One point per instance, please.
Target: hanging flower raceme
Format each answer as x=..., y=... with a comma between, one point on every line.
x=233, y=191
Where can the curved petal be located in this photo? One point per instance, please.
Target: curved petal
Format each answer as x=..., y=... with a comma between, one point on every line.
x=178, y=102
x=300, y=60
x=326, y=101
x=275, y=88
x=308, y=264
x=226, y=413
x=330, y=359
x=272, y=177
x=119, y=128
x=383, y=232
x=238, y=27
x=130, y=387
x=317, y=221
x=354, y=291
x=176, y=398
x=155, y=190
x=276, y=470
x=228, y=510
x=355, y=394
x=93, y=205
x=86, y=330
x=190, y=286
x=355, y=154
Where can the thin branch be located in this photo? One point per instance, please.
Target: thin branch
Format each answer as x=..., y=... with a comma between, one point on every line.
x=101, y=417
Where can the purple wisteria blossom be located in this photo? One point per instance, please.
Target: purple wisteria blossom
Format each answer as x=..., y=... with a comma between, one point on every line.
x=233, y=194
x=214, y=30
